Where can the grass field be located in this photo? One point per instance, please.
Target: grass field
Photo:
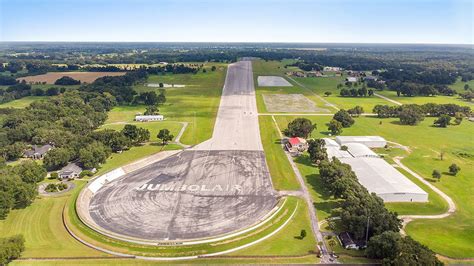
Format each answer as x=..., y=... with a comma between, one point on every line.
x=197, y=103
x=44, y=233
x=153, y=127
x=425, y=99
x=23, y=102
x=320, y=85
x=276, y=68
x=459, y=85
x=283, y=177
x=426, y=142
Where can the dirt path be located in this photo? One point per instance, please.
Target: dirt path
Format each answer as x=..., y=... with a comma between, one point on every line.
x=304, y=193
x=408, y=218
x=388, y=99
x=180, y=134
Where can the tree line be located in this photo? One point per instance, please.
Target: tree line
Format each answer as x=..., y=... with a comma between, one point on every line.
x=364, y=215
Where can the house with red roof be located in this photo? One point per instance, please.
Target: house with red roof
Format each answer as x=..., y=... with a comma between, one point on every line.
x=296, y=145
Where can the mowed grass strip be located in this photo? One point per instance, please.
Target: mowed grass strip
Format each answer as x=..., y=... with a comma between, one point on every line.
x=282, y=174
x=23, y=102
x=450, y=236
x=42, y=227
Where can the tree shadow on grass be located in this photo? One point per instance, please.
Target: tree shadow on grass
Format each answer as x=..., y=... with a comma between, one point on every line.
x=314, y=180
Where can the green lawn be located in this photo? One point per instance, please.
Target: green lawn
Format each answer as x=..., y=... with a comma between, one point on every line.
x=122, y=114
x=45, y=235
x=451, y=236
x=320, y=85
x=425, y=99
x=197, y=103
x=135, y=153
x=23, y=102
x=153, y=127
x=282, y=174
x=459, y=85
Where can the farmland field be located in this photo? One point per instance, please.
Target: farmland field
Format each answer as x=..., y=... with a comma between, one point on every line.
x=86, y=77
x=23, y=102
x=426, y=143
x=439, y=99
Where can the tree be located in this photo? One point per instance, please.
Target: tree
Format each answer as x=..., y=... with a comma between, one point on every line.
x=24, y=194
x=436, y=174
x=335, y=127
x=384, y=246
x=30, y=172
x=52, y=91
x=458, y=117
x=327, y=93
x=135, y=134
x=442, y=121
x=466, y=87
x=410, y=116
x=302, y=234
x=67, y=81
x=165, y=136
x=317, y=150
x=454, y=169
x=213, y=68
x=300, y=127
x=344, y=117
x=93, y=155
x=11, y=248
x=161, y=85
x=6, y=203
x=356, y=111
x=151, y=110
x=56, y=158
x=413, y=253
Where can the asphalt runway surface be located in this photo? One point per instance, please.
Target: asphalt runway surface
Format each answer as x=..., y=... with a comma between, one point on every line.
x=220, y=186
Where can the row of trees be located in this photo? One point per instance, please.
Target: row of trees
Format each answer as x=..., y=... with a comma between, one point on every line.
x=361, y=92
x=414, y=89
x=18, y=185
x=364, y=215
x=412, y=114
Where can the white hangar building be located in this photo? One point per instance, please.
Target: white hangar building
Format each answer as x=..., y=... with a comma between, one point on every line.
x=369, y=141
x=375, y=174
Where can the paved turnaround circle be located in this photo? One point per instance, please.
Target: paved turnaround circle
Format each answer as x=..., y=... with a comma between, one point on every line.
x=220, y=186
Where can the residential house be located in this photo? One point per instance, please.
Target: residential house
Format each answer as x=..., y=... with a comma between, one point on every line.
x=346, y=241
x=351, y=79
x=296, y=145
x=70, y=171
x=38, y=152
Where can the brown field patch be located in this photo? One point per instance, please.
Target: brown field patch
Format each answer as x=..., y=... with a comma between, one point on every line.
x=84, y=77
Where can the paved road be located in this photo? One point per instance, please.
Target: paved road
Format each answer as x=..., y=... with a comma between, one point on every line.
x=219, y=186
x=388, y=99
x=309, y=202
x=236, y=125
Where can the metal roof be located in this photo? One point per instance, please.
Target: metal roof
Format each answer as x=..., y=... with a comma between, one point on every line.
x=345, y=139
x=360, y=150
x=380, y=177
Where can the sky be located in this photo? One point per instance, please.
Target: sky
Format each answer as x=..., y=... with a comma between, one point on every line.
x=320, y=21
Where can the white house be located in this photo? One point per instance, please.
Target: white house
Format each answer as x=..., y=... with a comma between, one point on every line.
x=146, y=118
x=351, y=79
x=70, y=171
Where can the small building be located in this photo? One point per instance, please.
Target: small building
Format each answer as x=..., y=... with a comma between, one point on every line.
x=37, y=152
x=351, y=79
x=296, y=145
x=331, y=69
x=147, y=118
x=369, y=141
x=70, y=171
x=298, y=74
x=370, y=78
x=346, y=241
x=313, y=74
